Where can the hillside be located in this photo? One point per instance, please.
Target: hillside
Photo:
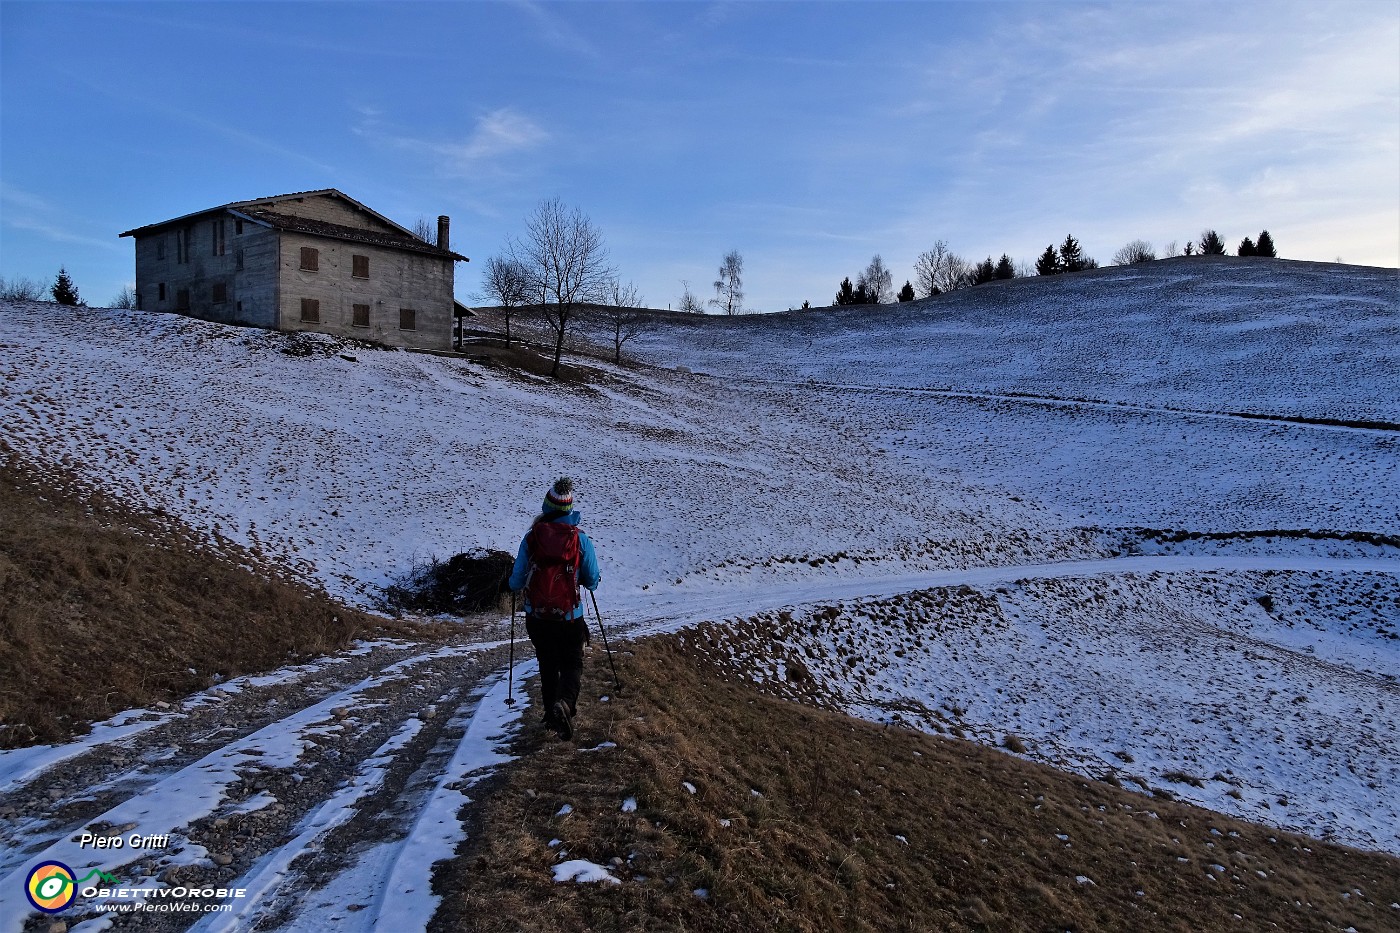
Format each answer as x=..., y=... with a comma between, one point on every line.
x=1176, y=568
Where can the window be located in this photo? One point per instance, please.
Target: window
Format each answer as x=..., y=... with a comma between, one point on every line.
x=408, y=319
x=182, y=299
x=220, y=292
x=238, y=259
x=310, y=259
x=138, y=301
x=361, y=318
x=239, y=306
x=161, y=295
x=182, y=245
x=237, y=227
x=361, y=267
x=216, y=227
x=160, y=247
x=311, y=310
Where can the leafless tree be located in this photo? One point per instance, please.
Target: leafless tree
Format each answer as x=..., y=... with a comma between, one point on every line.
x=506, y=284
x=1171, y=249
x=425, y=231
x=940, y=270
x=565, y=262
x=623, y=314
x=690, y=304
x=876, y=281
x=1134, y=252
x=729, y=287
x=22, y=289
x=126, y=299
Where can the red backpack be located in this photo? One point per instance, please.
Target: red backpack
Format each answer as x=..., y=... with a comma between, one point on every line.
x=552, y=586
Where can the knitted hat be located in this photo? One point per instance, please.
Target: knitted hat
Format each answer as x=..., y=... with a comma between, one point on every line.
x=560, y=497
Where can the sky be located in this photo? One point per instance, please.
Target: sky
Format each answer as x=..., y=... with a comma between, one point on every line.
x=807, y=136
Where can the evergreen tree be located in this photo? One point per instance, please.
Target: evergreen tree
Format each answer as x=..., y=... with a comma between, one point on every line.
x=1049, y=262
x=906, y=293
x=1005, y=269
x=984, y=272
x=1265, y=246
x=1189, y=249
x=1247, y=248
x=1071, y=256
x=1211, y=244
x=63, y=291
x=846, y=294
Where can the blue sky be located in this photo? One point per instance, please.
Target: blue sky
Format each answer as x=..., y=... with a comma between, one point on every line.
x=809, y=136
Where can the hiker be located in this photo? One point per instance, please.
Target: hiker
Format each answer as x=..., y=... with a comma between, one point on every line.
x=554, y=559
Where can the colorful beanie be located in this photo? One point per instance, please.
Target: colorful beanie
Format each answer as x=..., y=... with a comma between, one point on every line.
x=560, y=497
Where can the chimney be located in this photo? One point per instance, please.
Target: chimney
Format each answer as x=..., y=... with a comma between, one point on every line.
x=442, y=231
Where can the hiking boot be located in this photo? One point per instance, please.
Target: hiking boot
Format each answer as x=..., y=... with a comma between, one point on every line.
x=563, y=720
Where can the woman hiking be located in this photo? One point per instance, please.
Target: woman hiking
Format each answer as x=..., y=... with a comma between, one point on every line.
x=554, y=560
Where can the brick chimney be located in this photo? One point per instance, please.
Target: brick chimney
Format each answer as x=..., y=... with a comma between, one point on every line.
x=442, y=231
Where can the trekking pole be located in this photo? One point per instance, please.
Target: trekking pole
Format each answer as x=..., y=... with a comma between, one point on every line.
x=510, y=671
x=617, y=684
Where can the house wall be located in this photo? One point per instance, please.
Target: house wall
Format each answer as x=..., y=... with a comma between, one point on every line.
x=250, y=292
x=331, y=210
x=397, y=279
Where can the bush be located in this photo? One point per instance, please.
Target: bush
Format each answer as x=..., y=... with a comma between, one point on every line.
x=471, y=582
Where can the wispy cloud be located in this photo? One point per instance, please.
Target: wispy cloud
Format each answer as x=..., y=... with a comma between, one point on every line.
x=27, y=211
x=551, y=29
x=497, y=134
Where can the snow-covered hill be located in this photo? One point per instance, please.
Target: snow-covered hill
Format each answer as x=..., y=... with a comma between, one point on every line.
x=850, y=458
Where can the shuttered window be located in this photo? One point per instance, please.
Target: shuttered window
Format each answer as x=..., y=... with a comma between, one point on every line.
x=360, y=267
x=310, y=259
x=361, y=317
x=220, y=292
x=311, y=310
x=217, y=230
x=182, y=299
x=408, y=319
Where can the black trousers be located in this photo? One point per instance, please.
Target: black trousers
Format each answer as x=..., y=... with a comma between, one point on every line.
x=559, y=647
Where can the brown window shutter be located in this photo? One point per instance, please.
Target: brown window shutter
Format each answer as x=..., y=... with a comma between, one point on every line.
x=220, y=292
x=311, y=310
x=361, y=267
x=310, y=259
x=361, y=318
x=408, y=319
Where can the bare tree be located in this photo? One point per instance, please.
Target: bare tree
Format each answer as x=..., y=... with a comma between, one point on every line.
x=566, y=264
x=22, y=289
x=729, y=287
x=876, y=281
x=425, y=231
x=1134, y=252
x=126, y=299
x=1171, y=250
x=690, y=304
x=940, y=270
x=506, y=284
x=624, y=315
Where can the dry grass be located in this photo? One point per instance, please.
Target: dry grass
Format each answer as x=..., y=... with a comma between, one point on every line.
x=816, y=803
x=103, y=609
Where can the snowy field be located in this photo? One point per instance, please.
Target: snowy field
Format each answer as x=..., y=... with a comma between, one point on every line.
x=992, y=564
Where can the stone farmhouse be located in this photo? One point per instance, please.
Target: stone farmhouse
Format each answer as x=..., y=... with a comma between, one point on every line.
x=312, y=260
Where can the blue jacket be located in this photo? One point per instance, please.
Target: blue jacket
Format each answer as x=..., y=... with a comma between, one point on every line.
x=588, y=573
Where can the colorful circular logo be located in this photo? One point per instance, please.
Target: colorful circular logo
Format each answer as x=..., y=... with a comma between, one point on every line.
x=51, y=887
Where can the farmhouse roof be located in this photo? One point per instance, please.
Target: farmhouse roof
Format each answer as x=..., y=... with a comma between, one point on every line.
x=263, y=211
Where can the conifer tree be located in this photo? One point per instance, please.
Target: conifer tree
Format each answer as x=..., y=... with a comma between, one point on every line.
x=1005, y=269
x=63, y=291
x=1189, y=249
x=1211, y=244
x=1071, y=256
x=846, y=294
x=1247, y=248
x=906, y=293
x=1265, y=246
x=1049, y=262
x=984, y=272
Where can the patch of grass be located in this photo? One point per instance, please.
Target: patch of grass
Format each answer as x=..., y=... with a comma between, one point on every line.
x=804, y=819
x=103, y=609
